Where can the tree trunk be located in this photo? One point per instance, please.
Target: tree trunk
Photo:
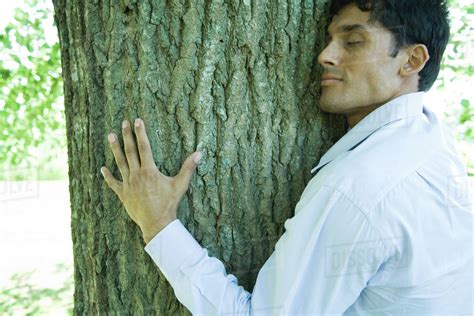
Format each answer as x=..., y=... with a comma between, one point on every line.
x=237, y=78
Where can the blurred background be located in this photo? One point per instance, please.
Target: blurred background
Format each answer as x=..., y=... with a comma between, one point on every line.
x=36, y=263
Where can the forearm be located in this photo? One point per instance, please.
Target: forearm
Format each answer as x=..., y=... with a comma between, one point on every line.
x=200, y=282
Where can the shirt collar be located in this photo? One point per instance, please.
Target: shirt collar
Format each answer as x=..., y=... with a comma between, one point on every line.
x=405, y=106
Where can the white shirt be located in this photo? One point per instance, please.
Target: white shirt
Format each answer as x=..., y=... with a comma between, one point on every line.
x=384, y=228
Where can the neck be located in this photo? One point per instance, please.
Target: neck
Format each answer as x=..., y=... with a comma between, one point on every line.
x=355, y=117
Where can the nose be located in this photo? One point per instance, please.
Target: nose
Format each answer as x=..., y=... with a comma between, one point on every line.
x=329, y=56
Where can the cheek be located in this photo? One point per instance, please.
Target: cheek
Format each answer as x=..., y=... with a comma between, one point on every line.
x=377, y=73
x=364, y=77
x=387, y=74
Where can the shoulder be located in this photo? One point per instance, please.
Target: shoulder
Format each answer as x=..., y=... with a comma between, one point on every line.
x=389, y=160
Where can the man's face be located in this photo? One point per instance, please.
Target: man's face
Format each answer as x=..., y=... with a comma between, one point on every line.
x=359, y=73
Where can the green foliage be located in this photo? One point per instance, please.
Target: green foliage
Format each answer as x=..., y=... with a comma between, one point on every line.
x=457, y=69
x=459, y=50
x=456, y=76
x=31, y=105
x=23, y=298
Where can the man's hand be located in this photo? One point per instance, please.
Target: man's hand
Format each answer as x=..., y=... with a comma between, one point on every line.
x=150, y=198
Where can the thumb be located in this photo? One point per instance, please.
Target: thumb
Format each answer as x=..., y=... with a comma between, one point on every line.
x=187, y=170
x=113, y=183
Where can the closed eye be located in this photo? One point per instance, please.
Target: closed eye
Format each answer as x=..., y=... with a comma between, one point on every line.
x=354, y=43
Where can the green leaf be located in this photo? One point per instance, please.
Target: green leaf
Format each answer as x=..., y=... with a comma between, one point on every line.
x=465, y=103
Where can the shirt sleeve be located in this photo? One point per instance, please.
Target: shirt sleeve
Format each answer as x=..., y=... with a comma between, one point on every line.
x=320, y=265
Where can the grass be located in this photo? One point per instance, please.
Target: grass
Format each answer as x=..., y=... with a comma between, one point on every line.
x=23, y=297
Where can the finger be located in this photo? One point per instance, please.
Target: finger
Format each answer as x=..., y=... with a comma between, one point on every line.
x=113, y=183
x=187, y=170
x=144, y=148
x=131, y=151
x=120, y=159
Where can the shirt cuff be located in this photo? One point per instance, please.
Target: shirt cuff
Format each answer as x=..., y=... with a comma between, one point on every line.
x=171, y=248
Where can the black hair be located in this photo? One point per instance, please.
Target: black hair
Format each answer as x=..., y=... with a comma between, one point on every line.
x=411, y=22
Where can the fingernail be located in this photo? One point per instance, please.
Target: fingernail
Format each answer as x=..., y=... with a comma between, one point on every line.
x=111, y=138
x=137, y=122
x=197, y=157
x=199, y=146
x=125, y=124
x=102, y=171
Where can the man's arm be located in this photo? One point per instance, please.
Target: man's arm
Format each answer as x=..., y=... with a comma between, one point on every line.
x=199, y=282
x=320, y=265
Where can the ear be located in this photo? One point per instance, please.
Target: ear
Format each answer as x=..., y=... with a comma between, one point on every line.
x=417, y=57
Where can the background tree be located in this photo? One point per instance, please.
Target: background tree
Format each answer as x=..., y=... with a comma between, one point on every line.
x=239, y=79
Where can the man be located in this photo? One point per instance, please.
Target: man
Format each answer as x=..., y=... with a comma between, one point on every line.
x=383, y=228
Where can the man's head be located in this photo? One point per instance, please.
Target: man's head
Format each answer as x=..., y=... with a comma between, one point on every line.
x=380, y=49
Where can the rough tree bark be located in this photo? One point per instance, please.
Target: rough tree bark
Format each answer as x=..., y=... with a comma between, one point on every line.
x=237, y=78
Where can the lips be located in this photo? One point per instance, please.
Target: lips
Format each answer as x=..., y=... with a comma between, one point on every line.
x=329, y=80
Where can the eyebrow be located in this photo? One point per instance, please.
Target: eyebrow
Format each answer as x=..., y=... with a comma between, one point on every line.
x=349, y=28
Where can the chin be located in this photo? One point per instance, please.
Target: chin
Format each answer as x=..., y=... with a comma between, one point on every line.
x=329, y=105
x=323, y=106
